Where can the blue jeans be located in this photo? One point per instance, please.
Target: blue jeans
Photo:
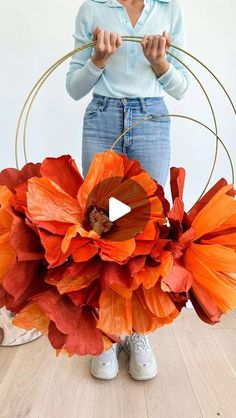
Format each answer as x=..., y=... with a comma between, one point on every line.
x=106, y=118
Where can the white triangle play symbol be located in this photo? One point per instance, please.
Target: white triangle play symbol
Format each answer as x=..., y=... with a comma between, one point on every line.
x=117, y=209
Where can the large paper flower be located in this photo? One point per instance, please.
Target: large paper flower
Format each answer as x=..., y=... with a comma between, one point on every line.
x=70, y=272
x=75, y=213
x=203, y=244
x=23, y=268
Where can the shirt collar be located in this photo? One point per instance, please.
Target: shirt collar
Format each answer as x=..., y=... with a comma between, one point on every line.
x=114, y=3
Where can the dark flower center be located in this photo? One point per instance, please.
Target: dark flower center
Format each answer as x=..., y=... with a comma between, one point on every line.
x=99, y=221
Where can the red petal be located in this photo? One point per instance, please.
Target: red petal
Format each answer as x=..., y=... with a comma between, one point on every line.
x=63, y=171
x=177, y=178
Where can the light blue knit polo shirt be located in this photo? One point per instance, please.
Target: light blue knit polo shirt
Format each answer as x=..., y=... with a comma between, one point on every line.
x=127, y=73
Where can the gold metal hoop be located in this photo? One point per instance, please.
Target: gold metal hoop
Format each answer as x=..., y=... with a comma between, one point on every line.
x=182, y=117
x=34, y=91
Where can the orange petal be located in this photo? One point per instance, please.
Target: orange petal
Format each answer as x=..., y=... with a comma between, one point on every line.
x=143, y=320
x=73, y=277
x=159, y=302
x=73, y=231
x=222, y=292
x=7, y=256
x=118, y=251
x=84, y=253
x=32, y=316
x=104, y=165
x=215, y=212
x=114, y=313
x=215, y=256
x=149, y=275
x=6, y=197
x=48, y=202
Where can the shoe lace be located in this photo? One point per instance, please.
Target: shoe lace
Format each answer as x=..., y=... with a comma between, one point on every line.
x=140, y=342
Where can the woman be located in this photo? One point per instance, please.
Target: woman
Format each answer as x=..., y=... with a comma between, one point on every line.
x=128, y=80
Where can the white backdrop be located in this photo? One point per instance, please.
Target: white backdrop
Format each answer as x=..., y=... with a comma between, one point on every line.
x=33, y=35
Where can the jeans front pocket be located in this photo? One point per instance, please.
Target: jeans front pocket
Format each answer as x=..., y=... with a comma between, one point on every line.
x=91, y=110
x=158, y=109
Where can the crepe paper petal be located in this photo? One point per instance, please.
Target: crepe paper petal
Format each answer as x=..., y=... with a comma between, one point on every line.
x=177, y=211
x=142, y=247
x=149, y=232
x=55, y=227
x=60, y=309
x=179, y=278
x=74, y=276
x=32, y=316
x=149, y=275
x=215, y=256
x=159, y=302
x=112, y=167
x=157, y=251
x=85, y=339
x=20, y=277
x=7, y=256
x=84, y=253
x=12, y=177
x=229, y=225
x=52, y=244
x=220, y=207
x=143, y=320
x=73, y=231
x=199, y=205
x=177, y=179
x=25, y=242
x=87, y=295
x=115, y=315
x=64, y=172
x=136, y=264
x=118, y=251
x=46, y=201
x=221, y=290
x=205, y=306
x=107, y=344
x=6, y=197
x=2, y=296
x=9, y=178
x=118, y=278
x=56, y=337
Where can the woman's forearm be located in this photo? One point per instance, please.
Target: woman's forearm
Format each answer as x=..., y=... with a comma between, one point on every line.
x=80, y=81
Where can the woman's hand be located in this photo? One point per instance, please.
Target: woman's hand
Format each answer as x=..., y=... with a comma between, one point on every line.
x=154, y=49
x=107, y=43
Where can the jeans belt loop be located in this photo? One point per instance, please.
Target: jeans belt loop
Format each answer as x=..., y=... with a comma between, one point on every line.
x=143, y=104
x=124, y=101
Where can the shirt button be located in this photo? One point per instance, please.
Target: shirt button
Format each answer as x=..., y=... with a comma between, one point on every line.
x=132, y=51
x=140, y=23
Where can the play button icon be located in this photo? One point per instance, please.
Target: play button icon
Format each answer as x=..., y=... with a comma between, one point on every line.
x=117, y=209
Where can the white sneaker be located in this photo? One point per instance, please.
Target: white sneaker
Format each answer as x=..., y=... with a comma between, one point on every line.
x=105, y=366
x=142, y=363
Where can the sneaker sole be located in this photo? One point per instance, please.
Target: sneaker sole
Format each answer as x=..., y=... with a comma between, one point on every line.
x=127, y=351
x=110, y=377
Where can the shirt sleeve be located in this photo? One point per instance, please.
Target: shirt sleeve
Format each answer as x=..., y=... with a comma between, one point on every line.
x=82, y=73
x=175, y=80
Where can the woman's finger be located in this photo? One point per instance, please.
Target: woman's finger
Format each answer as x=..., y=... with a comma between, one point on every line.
x=118, y=41
x=100, y=41
x=144, y=41
x=107, y=41
x=149, y=45
x=162, y=46
x=155, y=45
x=113, y=37
x=168, y=38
